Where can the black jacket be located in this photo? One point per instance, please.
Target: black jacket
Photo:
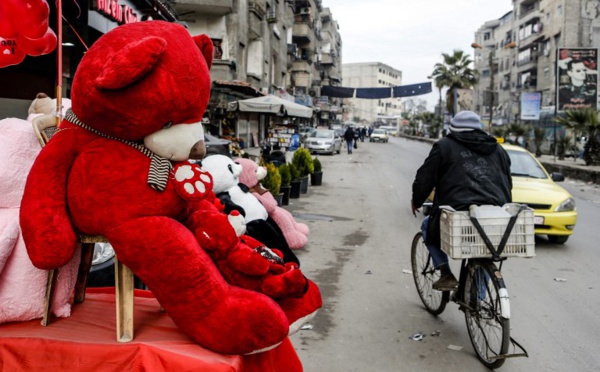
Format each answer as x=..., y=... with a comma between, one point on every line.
x=349, y=134
x=465, y=168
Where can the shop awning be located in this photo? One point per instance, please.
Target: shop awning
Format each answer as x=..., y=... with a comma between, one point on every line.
x=271, y=105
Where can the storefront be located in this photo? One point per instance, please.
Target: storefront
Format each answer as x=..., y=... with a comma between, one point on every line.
x=83, y=23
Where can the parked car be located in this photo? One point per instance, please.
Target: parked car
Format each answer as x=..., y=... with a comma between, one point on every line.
x=102, y=272
x=554, y=207
x=217, y=146
x=379, y=135
x=323, y=141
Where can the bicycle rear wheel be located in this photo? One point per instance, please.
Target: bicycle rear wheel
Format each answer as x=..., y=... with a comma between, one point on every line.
x=425, y=275
x=489, y=330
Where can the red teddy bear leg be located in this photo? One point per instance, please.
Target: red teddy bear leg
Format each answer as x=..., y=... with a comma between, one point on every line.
x=303, y=309
x=166, y=257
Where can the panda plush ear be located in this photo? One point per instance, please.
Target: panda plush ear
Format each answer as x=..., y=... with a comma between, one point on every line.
x=132, y=63
x=205, y=45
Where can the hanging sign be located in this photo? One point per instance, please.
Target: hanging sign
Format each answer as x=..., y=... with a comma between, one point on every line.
x=122, y=14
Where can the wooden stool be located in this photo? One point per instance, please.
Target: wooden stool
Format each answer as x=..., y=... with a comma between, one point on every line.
x=124, y=287
x=45, y=127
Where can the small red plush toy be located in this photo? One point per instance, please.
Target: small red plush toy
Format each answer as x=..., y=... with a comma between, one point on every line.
x=138, y=97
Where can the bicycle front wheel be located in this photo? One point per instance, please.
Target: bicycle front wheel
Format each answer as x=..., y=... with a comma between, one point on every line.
x=489, y=330
x=425, y=275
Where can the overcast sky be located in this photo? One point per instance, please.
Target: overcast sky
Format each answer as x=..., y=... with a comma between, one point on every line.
x=411, y=35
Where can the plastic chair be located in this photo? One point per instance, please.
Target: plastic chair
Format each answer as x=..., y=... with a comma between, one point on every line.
x=45, y=127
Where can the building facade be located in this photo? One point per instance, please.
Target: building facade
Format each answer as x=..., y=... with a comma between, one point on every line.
x=371, y=75
x=536, y=29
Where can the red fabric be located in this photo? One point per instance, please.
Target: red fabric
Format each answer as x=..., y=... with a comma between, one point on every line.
x=86, y=341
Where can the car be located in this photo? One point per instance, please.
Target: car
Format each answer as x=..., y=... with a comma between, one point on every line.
x=304, y=132
x=323, y=141
x=554, y=208
x=379, y=135
x=217, y=146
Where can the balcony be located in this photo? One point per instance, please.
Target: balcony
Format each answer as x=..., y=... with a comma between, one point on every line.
x=257, y=7
x=271, y=16
x=302, y=33
x=326, y=59
x=301, y=65
x=527, y=12
x=326, y=15
x=527, y=63
x=210, y=7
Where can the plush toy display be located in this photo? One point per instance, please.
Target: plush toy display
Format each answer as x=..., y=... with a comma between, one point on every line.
x=236, y=196
x=296, y=234
x=23, y=286
x=146, y=82
x=246, y=263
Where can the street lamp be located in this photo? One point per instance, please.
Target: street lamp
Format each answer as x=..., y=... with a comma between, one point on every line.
x=441, y=111
x=491, y=90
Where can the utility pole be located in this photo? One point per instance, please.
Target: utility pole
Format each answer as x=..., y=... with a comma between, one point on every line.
x=491, y=107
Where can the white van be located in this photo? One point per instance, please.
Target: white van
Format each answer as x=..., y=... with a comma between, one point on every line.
x=390, y=129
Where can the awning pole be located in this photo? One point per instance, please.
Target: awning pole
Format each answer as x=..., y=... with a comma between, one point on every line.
x=59, y=62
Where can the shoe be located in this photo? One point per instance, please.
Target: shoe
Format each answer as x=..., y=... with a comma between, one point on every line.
x=446, y=282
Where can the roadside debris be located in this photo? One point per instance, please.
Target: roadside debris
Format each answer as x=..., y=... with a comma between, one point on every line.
x=306, y=327
x=406, y=271
x=435, y=333
x=368, y=272
x=560, y=279
x=417, y=337
x=455, y=347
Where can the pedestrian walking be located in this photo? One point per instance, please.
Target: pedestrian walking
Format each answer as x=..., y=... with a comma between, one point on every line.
x=363, y=134
x=349, y=137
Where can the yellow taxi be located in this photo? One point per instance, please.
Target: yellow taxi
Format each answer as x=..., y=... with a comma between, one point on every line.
x=554, y=207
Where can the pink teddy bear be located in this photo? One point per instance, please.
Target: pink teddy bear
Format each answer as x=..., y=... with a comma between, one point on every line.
x=296, y=234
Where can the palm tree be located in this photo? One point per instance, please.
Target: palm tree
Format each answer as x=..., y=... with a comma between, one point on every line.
x=539, y=136
x=585, y=121
x=455, y=73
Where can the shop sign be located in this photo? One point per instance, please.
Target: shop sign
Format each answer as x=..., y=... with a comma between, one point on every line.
x=122, y=14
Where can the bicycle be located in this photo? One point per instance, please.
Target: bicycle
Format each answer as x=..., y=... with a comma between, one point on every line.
x=479, y=243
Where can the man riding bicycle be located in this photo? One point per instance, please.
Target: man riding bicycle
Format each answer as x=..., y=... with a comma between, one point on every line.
x=466, y=167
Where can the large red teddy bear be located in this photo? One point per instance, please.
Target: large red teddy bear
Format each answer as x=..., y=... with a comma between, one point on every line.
x=138, y=98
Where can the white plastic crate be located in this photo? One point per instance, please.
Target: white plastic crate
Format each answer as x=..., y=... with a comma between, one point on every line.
x=460, y=239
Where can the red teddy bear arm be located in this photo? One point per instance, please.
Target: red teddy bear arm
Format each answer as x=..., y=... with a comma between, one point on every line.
x=246, y=261
x=43, y=215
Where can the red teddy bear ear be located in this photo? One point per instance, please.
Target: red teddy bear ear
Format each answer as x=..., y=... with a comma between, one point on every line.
x=205, y=45
x=132, y=63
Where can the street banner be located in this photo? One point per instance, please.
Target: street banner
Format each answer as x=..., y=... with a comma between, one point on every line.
x=577, y=78
x=530, y=106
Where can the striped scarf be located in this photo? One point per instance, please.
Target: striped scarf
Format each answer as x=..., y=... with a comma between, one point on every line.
x=160, y=168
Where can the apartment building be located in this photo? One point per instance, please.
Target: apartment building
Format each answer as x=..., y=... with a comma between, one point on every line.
x=520, y=52
x=287, y=48
x=371, y=75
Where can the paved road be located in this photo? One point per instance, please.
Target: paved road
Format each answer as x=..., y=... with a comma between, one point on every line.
x=361, y=229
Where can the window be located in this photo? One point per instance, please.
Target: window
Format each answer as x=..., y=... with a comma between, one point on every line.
x=218, y=50
x=546, y=72
x=559, y=10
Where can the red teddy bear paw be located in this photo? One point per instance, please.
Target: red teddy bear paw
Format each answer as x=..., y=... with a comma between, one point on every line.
x=191, y=182
x=289, y=284
x=303, y=309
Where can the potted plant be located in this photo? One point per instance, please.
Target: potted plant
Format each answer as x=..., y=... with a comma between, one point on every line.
x=295, y=183
x=304, y=163
x=286, y=179
x=272, y=182
x=316, y=177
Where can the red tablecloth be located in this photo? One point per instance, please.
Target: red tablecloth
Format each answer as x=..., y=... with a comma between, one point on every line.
x=86, y=341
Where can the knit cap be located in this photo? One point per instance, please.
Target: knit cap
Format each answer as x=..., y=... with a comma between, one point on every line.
x=464, y=121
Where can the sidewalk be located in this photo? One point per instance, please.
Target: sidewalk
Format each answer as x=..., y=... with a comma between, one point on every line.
x=571, y=168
